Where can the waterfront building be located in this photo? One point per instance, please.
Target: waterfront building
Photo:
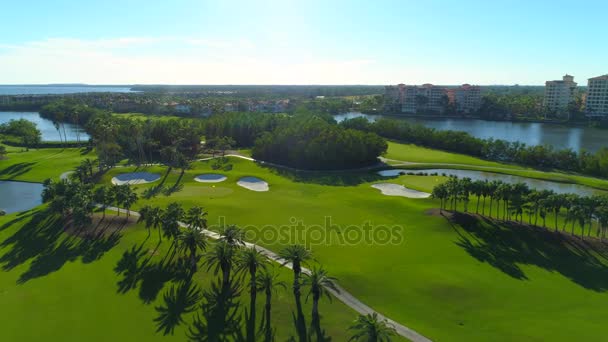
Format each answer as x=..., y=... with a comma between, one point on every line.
x=596, y=103
x=559, y=94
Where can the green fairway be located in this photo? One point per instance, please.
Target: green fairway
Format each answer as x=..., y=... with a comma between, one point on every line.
x=433, y=280
x=464, y=279
x=425, y=158
x=38, y=165
x=418, y=154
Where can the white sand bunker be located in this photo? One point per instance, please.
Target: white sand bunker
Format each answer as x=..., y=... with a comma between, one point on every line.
x=210, y=178
x=391, y=189
x=65, y=175
x=253, y=184
x=135, y=178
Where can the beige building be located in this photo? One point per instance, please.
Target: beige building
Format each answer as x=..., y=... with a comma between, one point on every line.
x=559, y=93
x=466, y=98
x=596, y=103
x=412, y=99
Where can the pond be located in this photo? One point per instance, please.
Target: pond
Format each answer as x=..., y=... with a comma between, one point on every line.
x=19, y=196
x=530, y=133
x=538, y=184
x=46, y=127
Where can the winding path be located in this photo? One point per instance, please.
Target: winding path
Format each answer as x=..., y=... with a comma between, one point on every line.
x=343, y=295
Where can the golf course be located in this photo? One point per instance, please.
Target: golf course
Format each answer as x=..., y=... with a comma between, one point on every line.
x=448, y=277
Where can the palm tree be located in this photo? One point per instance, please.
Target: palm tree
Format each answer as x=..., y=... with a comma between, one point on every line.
x=220, y=258
x=368, y=328
x=118, y=195
x=268, y=283
x=233, y=235
x=172, y=215
x=319, y=283
x=297, y=255
x=251, y=260
x=440, y=192
x=102, y=195
x=191, y=240
x=196, y=218
x=130, y=199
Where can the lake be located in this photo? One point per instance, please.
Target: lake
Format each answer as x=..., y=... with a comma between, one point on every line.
x=538, y=184
x=19, y=196
x=46, y=127
x=50, y=89
x=558, y=136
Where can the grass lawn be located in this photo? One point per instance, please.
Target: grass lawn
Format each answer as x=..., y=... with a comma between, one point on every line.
x=73, y=289
x=37, y=165
x=449, y=281
x=419, y=154
x=432, y=159
x=463, y=279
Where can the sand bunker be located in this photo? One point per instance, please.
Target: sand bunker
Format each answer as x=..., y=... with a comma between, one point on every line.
x=135, y=178
x=253, y=184
x=65, y=175
x=210, y=178
x=390, y=189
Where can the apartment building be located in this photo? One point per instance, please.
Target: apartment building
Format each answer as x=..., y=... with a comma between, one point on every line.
x=412, y=99
x=596, y=103
x=466, y=98
x=559, y=93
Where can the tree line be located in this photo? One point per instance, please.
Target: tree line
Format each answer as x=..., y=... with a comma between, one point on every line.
x=543, y=156
x=510, y=202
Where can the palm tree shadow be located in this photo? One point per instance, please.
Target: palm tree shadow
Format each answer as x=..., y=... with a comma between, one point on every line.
x=178, y=300
x=219, y=318
x=508, y=245
x=138, y=271
x=42, y=240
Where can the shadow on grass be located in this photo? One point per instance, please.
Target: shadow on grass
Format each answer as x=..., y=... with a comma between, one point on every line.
x=334, y=178
x=43, y=242
x=16, y=170
x=219, y=318
x=179, y=300
x=508, y=245
x=139, y=272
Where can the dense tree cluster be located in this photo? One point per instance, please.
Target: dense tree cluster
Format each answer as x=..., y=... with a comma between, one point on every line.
x=172, y=142
x=512, y=201
x=310, y=142
x=543, y=156
x=243, y=128
x=25, y=131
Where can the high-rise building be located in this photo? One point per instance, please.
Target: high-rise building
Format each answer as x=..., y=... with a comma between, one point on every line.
x=466, y=98
x=412, y=99
x=559, y=93
x=596, y=103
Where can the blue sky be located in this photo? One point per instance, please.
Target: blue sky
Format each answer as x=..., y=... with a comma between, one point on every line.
x=302, y=42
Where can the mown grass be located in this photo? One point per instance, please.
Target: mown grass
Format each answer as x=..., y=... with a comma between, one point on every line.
x=37, y=165
x=465, y=279
x=448, y=280
x=74, y=290
x=432, y=159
